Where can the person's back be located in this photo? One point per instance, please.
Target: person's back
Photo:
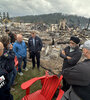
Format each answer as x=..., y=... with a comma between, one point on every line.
x=11, y=35
x=84, y=91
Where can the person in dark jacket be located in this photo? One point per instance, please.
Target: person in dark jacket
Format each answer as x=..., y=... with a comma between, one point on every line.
x=11, y=35
x=35, y=46
x=8, y=58
x=79, y=75
x=71, y=55
x=4, y=88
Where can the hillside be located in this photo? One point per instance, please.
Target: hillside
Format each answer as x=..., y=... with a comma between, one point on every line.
x=53, y=18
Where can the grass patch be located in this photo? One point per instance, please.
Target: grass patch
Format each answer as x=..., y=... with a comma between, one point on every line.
x=31, y=73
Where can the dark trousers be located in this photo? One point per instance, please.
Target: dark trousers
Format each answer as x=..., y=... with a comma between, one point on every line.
x=5, y=93
x=10, y=74
x=66, y=86
x=37, y=55
x=14, y=75
x=24, y=59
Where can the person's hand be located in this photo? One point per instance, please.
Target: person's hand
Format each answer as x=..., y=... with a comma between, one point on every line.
x=69, y=57
x=63, y=52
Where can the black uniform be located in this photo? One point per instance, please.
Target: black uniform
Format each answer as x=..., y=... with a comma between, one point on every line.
x=34, y=50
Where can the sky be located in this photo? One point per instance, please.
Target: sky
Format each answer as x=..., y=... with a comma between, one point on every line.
x=37, y=7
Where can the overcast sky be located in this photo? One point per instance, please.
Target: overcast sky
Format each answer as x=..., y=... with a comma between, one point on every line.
x=36, y=7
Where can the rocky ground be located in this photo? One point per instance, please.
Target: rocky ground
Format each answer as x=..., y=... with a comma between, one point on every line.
x=50, y=55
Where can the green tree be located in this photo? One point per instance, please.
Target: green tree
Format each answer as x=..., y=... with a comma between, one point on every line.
x=8, y=15
x=4, y=16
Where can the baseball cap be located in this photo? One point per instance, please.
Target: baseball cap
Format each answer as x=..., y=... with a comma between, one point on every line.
x=86, y=45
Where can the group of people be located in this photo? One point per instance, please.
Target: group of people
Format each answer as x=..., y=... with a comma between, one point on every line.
x=11, y=47
x=76, y=76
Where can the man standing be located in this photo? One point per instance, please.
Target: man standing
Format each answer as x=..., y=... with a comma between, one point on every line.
x=19, y=47
x=71, y=55
x=35, y=46
x=11, y=35
x=79, y=77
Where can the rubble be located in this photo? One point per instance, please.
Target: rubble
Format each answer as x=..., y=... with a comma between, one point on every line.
x=50, y=53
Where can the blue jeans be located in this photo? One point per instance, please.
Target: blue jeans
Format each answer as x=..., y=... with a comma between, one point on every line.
x=24, y=59
x=12, y=76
